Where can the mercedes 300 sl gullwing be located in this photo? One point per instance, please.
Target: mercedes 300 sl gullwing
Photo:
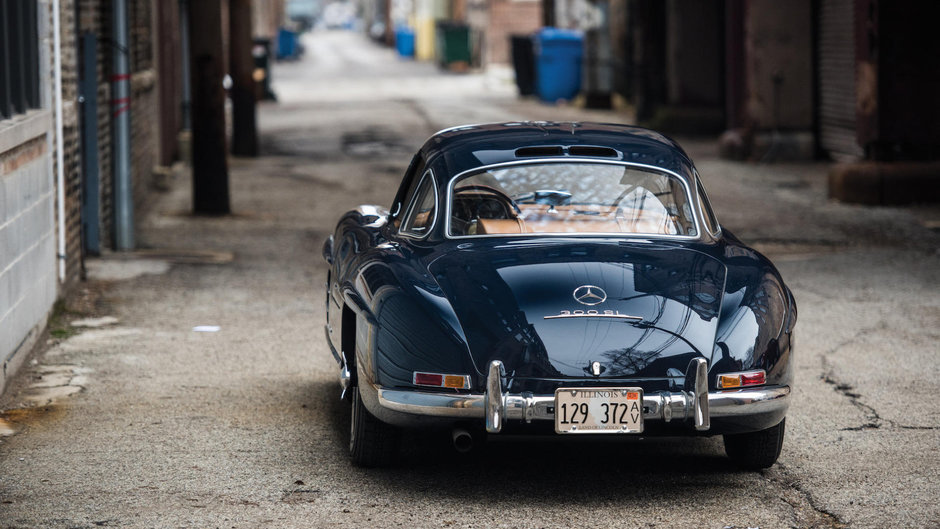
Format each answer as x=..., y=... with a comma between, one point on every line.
x=561, y=279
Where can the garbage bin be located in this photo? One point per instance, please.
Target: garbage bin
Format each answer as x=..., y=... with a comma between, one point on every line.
x=453, y=43
x=286, y=44
x=405, y=41
x=558, y=63
x=523, y=63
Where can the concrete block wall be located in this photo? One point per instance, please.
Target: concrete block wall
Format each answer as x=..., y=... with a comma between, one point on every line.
x=28, y=281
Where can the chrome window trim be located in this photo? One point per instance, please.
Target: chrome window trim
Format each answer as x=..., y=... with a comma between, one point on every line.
x=428, y=173
x=704, y=199
x=535, y=161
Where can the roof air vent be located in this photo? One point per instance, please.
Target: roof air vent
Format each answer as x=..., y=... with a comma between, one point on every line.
x=584, y=150
x=528, y=152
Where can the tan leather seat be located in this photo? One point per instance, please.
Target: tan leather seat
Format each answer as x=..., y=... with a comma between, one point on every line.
x=491, y=226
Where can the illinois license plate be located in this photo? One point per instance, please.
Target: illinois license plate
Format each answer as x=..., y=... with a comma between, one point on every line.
x=599, y=410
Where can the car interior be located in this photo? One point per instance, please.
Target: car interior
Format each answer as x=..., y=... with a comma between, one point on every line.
x=642, y=205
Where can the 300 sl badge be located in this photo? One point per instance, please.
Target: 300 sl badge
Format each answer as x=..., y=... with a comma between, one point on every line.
x=612, y=314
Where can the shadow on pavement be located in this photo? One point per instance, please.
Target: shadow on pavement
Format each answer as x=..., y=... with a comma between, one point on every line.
x=530, y=469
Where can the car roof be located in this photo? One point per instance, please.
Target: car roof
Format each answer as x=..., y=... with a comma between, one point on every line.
x=469, y=147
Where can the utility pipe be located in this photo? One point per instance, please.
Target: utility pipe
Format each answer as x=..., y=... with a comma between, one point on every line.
x=121, y=120
x=59, y=142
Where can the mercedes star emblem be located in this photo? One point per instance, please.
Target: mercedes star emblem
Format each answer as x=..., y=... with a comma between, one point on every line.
x=589, y=295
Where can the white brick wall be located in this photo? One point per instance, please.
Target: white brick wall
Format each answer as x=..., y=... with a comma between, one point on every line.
x=28, y=282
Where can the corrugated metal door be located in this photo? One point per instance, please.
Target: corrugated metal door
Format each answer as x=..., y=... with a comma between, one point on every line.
x=836, y=62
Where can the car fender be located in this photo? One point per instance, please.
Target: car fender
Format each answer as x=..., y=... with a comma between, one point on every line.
x=756, y=321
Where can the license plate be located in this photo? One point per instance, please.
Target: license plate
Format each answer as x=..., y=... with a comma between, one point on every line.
x=599, y=410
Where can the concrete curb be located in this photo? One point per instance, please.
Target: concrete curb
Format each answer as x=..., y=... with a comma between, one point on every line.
x=883, y=183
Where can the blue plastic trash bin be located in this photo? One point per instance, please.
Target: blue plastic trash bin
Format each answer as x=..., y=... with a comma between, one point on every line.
x=286, y=44
x=405, y=41
x=558, y=63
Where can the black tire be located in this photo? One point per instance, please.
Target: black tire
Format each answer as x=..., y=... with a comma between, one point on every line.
x=756, y=450
x=372, y=443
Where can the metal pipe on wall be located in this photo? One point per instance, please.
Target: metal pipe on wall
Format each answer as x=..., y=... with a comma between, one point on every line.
x=121, y=122
x=60, y=147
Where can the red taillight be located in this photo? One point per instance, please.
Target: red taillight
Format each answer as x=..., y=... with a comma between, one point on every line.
x=438, y=380
x=429, y=379
x=738, y=380
x=753, y=379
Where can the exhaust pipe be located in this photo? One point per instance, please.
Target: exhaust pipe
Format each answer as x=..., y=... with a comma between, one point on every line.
x=463, y=440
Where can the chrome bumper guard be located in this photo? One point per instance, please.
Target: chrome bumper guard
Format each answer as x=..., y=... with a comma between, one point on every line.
x=496, y=406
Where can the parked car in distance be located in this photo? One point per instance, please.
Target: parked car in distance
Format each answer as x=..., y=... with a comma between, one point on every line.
x=555, y=278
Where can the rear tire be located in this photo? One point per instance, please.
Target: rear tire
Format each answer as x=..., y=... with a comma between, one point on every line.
x=756, y=450
x=372, y=443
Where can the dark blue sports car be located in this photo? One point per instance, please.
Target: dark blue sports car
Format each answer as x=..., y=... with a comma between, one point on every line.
x=565, y=278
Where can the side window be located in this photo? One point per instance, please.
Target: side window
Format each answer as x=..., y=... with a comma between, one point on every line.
x=407, y=189
x=711, y=223
x=420, y=215
x=20, y=61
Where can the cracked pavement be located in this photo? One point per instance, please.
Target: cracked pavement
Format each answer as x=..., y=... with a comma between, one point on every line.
x=243, y=427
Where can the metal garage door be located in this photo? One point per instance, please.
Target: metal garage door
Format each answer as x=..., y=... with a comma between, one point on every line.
x=836, y=63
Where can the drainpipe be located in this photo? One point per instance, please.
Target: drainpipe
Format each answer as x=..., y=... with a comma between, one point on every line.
x=121, y=121
x=59, y=142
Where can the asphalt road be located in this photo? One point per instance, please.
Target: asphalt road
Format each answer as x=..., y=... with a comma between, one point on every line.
x=148, y=423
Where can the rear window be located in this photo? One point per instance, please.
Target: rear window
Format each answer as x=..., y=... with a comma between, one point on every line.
x=570, y=198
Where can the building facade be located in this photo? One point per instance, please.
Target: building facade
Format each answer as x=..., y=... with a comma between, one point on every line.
x=848, y=80
x=57, y=199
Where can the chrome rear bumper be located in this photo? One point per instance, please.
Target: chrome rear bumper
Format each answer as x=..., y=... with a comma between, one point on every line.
x=694, y=403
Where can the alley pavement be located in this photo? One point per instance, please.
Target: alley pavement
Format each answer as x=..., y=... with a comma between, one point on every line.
x=213, y=401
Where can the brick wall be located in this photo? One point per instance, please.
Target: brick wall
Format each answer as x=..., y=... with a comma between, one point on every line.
x=71, y=142
x=168, y=62
x=144, y=101
x=140, y=28
x=266, y=17
x=143, y=135
x=95, y=16
x=508, y=17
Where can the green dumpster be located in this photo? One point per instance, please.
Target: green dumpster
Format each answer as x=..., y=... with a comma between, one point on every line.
x=453, y=44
